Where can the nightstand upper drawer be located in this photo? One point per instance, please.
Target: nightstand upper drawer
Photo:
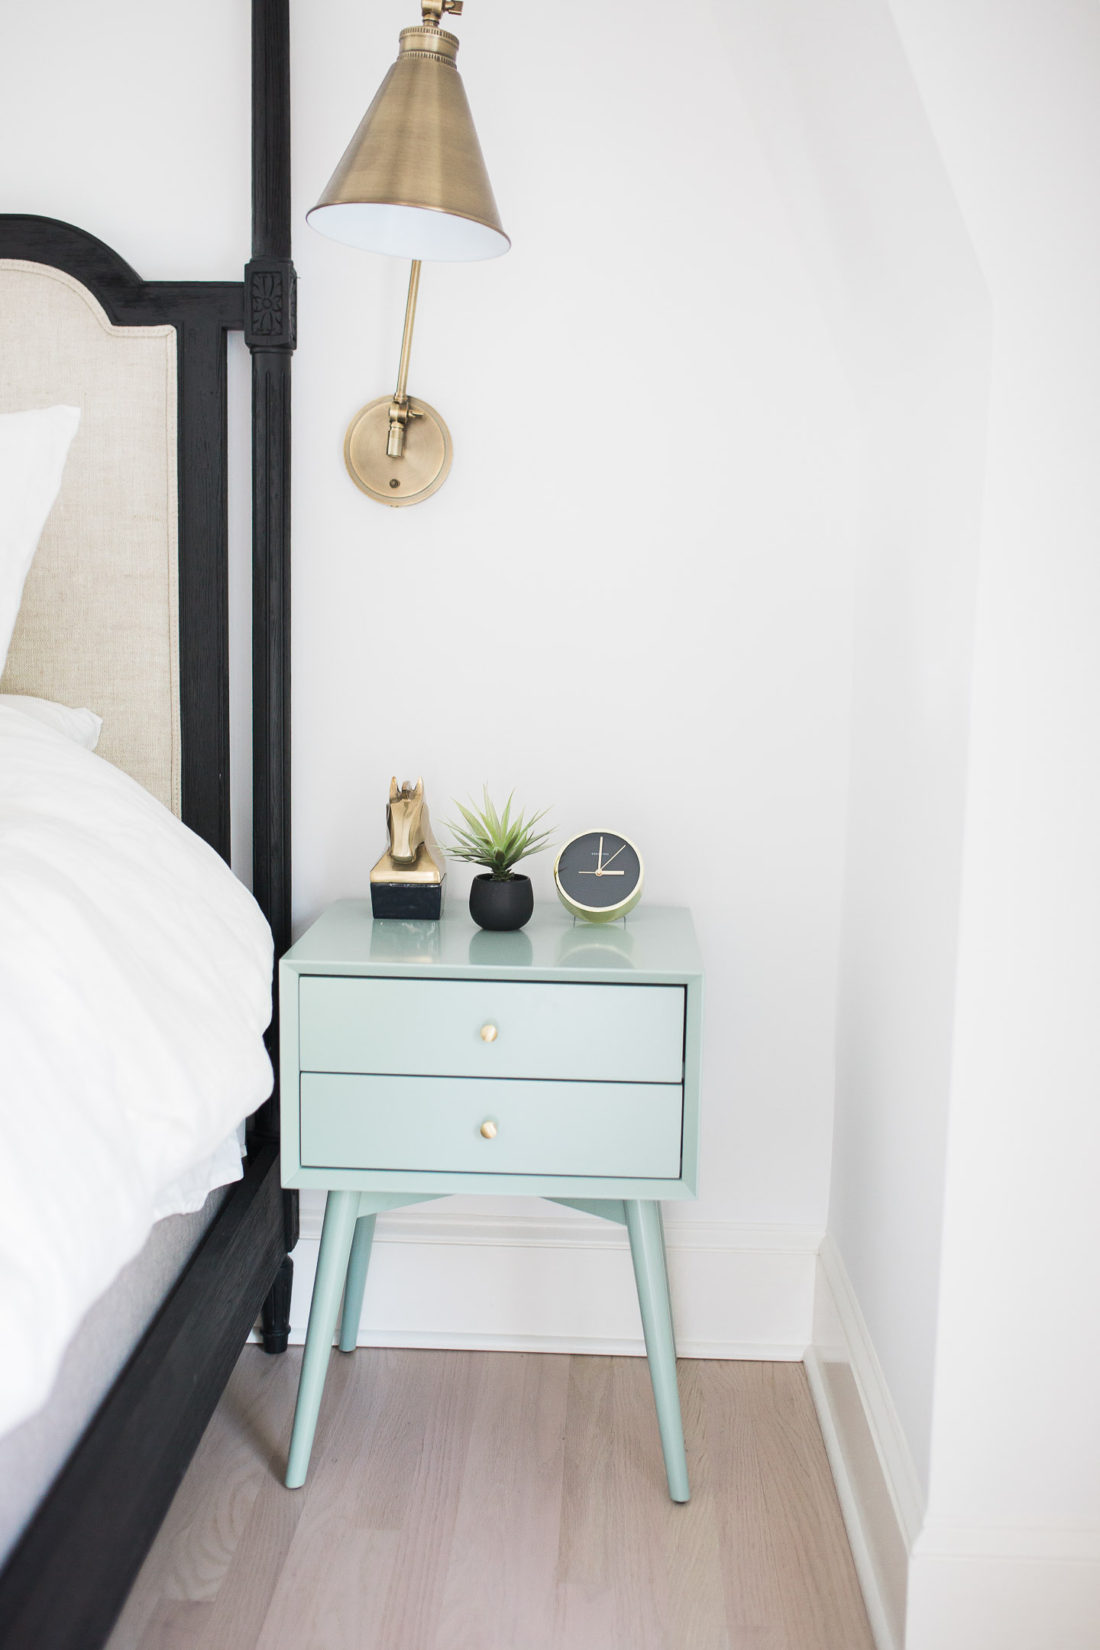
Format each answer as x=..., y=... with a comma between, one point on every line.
x=536, y=1128
x=492, y=1028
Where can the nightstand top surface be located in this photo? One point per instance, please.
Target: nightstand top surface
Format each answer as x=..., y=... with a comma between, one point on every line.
x=655, y=943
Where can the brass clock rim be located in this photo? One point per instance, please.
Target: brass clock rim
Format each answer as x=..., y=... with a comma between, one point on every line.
x=600, y=910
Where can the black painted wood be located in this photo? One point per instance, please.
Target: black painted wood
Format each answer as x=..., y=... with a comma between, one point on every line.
x=271, y=335
x=271, y=129
x=204, y=585
x=65, y=1582
x=69, y=1576
x=271, y=639
x=276, y=1309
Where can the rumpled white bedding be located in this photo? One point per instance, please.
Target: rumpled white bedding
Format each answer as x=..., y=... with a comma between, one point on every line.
x=135, y=987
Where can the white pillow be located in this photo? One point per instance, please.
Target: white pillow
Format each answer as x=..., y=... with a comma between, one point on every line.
x=33, y=448
x=81, y=726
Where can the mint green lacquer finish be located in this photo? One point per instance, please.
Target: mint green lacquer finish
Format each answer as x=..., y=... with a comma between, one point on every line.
x=376, y=1203
x=664, y=1251
x=341, y=1211
x=589, y=1082
x=643, y=1222
x=448, y=1184
x=356, y=1281
x=493, y=1029
x=607, y=1208
x=369, y=1210
x=536, y=1128
x=656, y=946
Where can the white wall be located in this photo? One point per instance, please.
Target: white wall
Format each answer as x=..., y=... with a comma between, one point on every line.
x=940, y=164
x=132, y=122
x=857, y=162
x=1016, y=1432
x=632, y=600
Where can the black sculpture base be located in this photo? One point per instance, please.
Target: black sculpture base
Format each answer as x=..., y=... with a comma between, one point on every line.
x=416, y=901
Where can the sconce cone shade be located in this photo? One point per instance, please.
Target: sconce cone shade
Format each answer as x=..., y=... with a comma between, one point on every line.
x=412, y=182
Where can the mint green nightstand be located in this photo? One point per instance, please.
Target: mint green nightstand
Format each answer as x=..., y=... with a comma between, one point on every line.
x=422, y=1059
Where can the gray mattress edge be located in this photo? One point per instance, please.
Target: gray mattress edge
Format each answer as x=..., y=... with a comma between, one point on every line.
x=32, y=1454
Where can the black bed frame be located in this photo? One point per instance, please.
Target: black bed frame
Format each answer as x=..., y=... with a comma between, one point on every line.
x=69, y=1575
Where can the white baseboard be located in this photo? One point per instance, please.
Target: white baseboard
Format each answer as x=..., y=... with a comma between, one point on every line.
x=880, y=1493
x=1013, y=1544
x=927, y=1584
x=975, y=1599
x=560, y=1281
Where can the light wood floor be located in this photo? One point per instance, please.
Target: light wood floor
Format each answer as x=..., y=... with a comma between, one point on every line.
x=503, y=1501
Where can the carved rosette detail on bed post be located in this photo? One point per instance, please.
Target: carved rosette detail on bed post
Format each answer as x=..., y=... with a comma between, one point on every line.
x=271, y=310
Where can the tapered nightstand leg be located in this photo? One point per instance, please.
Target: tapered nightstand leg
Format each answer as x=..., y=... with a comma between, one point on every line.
x=332, y=1265
x=643, y=1222
x=357, y=1282
x=664, y=1252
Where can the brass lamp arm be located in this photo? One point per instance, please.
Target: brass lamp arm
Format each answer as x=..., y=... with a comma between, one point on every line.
x=393, y=459
x=400, y=411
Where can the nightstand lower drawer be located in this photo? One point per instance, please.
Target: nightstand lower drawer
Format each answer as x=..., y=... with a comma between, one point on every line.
x=629, y=1130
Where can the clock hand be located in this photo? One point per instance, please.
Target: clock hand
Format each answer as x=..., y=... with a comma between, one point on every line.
x=599, y=862
x=601, y=873
x=615, y=855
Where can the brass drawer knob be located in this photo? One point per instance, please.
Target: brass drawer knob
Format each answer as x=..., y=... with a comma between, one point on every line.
x=489, y=1034
x=489, y=1129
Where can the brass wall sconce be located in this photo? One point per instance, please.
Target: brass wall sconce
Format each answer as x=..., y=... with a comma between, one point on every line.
x=412, y=184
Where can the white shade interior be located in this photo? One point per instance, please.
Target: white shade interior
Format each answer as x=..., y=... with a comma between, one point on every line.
x=409, y=232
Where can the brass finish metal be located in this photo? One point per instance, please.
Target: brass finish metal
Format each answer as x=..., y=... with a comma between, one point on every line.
x=432, y=10
x=400, y=412
x=413, y=854
x=489, y=1034
x=416, y=146
x=601, y=913
x=396, y=463
x=406, y=336
x=489, y=1129
x=425, y=461
x=412, y=182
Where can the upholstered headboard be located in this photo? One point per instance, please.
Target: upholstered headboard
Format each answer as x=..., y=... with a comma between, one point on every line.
x=99, y=620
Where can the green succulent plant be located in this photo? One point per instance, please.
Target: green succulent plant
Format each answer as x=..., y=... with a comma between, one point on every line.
x=496, y=840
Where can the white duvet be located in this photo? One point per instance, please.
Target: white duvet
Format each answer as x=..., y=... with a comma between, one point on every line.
x=135, y=986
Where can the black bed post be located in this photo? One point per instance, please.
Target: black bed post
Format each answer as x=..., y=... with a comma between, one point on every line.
x=68, y=1574
x=270, y=335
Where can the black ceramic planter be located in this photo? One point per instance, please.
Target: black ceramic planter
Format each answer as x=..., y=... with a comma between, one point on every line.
x=501, y=903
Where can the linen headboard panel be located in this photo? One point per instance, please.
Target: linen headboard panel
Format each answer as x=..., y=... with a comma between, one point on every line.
x=98, y=627
x=99, y=621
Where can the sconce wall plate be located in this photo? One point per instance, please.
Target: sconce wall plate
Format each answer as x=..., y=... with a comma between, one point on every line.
x=421, y=469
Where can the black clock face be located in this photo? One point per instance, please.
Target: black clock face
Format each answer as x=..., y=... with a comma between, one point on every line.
x=598, y=869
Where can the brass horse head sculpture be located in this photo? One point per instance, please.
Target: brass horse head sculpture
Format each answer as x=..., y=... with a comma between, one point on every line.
x=412, y=860
x=406, y=820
